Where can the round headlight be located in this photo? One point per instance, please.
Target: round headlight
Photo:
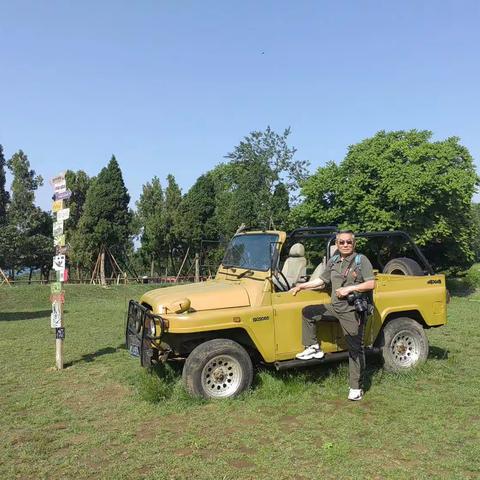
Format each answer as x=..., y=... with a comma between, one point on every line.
x=150, y=326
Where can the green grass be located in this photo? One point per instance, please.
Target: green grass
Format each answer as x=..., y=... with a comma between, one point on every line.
x=103, y=417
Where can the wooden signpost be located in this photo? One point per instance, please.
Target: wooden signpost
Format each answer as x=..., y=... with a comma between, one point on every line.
x=57, y=294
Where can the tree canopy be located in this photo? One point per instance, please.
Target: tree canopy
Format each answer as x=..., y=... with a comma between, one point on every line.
x=400, y=180
x=106, y=219
x=255, y=186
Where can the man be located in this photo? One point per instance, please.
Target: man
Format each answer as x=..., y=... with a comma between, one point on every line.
x=346, y=272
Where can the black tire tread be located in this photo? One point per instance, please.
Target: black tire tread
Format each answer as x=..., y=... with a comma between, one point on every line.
x=407, y=265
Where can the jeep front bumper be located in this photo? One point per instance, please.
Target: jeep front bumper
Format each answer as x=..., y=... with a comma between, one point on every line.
x=144, y=330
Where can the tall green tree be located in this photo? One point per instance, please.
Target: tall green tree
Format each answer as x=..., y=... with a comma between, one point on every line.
x=173, y=198
x=261, y=173
x=196, y=219
x=400, y=180
x=25, y=182
x=30, y=228
x=150, y=217
x=78, y=183
x=4, y=196
x=106, y=220
x=476, y=238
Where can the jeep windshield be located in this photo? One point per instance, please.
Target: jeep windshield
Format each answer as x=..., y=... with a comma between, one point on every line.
x=252, y=251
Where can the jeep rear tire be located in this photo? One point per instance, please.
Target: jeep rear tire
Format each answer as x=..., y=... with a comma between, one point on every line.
x=403, y=266
x=219, y=368
x=403, y=344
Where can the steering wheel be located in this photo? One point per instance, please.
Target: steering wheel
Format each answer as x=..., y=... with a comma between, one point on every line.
x=283, y=284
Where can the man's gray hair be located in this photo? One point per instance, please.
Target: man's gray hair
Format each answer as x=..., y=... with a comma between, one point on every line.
x=341, y=232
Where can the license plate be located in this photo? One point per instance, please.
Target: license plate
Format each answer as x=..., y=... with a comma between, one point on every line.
x=134, y=350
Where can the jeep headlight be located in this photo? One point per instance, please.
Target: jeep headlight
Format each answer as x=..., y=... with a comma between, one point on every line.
x=150, y=327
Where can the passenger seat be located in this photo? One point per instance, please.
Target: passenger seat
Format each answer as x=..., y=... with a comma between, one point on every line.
x=295, y=265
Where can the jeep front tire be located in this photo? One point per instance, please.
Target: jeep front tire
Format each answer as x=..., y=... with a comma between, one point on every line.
x=219, y=368
x=403, y=344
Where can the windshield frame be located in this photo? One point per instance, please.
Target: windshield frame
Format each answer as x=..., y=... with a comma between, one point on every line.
x=271, y=242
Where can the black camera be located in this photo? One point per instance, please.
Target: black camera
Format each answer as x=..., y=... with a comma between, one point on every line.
x=359, y=301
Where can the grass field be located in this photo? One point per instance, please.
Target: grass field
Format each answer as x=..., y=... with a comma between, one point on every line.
x=103, y=417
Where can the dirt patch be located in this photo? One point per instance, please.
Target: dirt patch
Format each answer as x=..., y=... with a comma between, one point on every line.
x=173, y=423
x=289, y=423
x=241, y=464
x=183, y=452
x=113, y=391
x=246, y=450
x=58, y=426
x=148, y=431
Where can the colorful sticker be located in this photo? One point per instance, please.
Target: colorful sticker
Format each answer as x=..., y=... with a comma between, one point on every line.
x=57, y=229
x=55, y=287
x=57, y=297
x=63, y=214
x=63, y=195
x=60, y=240
x=56, y=315
x=59, y=262
x=57, y=205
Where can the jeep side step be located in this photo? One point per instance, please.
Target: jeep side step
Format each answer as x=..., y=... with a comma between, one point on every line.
x=329, y=357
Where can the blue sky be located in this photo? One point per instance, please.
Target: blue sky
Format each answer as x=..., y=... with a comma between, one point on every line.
x=171, y=87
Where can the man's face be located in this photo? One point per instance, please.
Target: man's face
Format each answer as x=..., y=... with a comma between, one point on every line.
x=345, y=243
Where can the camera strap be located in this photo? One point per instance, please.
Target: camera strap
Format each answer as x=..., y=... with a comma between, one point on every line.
x=347, y=270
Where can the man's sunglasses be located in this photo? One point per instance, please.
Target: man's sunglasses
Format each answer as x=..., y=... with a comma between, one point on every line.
x=343, y=242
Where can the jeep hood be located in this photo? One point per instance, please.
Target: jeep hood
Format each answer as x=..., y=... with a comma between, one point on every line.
x=209, y=295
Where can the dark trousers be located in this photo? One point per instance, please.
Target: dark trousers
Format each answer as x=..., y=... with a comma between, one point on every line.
x=353, y=330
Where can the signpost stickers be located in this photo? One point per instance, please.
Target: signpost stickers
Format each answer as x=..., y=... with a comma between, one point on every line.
x=57, y=294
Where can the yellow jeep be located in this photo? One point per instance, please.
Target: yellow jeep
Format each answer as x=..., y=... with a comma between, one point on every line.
x=246, y=316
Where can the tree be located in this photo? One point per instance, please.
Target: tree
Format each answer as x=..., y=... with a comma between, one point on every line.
x=476, y=238
x=78, y=183
x=29, y=232
x=106, y=221
x=261, y=175
x=196, y=219
x=25, y=182
x=4, y=196
x=173, y=197
x=150, y=216
x=400, y=180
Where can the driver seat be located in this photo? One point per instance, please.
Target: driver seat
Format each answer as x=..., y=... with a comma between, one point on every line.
x=295, y=265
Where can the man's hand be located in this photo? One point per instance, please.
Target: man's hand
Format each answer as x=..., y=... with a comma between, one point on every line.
x=295, y=290
x=344, y=291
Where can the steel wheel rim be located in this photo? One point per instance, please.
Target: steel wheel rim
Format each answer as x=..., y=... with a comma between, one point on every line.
x=405, y=348
x=221, y=376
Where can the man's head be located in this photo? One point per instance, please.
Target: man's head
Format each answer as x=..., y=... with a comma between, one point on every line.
x=345, y=242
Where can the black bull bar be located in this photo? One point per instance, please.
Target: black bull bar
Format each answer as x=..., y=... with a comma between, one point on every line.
x=138, y=339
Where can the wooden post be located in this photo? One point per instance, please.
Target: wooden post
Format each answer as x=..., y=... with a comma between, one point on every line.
x=183, y=263
x=197, y=268
x=102, y=267
x=59, y=264
x=4, y=278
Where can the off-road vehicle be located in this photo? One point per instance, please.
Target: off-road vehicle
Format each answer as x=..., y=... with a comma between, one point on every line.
x=245, y=316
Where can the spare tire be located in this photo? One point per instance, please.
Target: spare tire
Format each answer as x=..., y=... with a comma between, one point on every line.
x=403, y=266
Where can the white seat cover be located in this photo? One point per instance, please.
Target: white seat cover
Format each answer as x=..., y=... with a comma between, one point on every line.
x=295, y=265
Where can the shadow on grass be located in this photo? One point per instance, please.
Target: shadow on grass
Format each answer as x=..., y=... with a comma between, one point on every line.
x=13, y=316
x=438, y=353
x=458, y=287
x=90, y=357
x=291, y=379
x=163, y=382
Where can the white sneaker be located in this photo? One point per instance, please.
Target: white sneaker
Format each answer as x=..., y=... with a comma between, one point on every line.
x=313, y=351
x=355, y=394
